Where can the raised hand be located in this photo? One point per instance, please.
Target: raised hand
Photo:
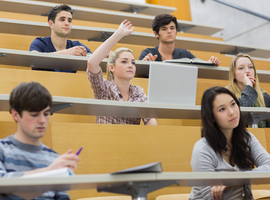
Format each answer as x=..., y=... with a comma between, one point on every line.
x=249, y=80
x=125, y=28
x=94, y=60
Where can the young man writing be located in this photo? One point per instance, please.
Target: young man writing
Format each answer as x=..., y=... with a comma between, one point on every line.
x=23, y=152
x=60, y=22
x=165, y=29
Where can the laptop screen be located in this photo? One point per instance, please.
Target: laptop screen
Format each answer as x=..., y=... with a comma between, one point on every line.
x=172, y=83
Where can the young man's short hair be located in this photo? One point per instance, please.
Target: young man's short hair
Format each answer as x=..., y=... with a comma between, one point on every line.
x=32, y=97
x=57, y=9
x=163, y=20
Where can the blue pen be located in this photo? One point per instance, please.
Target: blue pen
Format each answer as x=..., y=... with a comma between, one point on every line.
x=79, y=151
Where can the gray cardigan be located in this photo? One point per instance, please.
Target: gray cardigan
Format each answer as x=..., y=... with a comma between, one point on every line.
x=249, y=96
x=205, y=159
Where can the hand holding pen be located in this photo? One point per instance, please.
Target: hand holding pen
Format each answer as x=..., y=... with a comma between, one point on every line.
x=67, y=159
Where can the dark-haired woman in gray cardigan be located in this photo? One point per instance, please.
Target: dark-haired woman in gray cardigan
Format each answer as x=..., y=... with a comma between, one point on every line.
x=225, y=145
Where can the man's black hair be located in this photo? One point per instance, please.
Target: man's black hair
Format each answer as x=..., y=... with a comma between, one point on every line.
x=57, y=9
x=163, y=20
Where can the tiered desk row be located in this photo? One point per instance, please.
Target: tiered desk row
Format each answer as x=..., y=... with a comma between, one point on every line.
x=100, y=15
x=109, y=148
x=76, y=63
x=138, y=185
x=83, y=106
x=120, y=5
x=136, y=38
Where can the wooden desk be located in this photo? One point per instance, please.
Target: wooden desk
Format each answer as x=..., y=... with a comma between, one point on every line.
x=120, y=5
x=105, y=16
x=77, y=63
x=83, y=106
x=97, y=107
x=137, y=38
x=44, y=60
x=142, y=183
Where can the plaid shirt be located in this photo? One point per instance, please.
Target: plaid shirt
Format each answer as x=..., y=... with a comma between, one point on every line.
x=107, y=90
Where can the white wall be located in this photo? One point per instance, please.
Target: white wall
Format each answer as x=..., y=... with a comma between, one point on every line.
x=239, y=27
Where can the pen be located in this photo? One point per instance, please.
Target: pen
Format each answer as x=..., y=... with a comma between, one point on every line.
x=79, y=151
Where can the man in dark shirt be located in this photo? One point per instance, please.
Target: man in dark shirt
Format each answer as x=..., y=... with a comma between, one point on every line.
x=165, y=29
x=60, y=22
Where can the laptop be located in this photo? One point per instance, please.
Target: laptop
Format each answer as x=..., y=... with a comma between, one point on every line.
x=172, y=83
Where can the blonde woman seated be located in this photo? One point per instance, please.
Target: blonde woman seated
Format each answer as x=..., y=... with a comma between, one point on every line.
x=120, y=70
x=225, y=145
x=244, y=83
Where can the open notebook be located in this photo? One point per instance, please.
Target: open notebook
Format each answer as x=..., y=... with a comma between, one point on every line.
x=63, y=172
x=148, y=168
x=189, y=61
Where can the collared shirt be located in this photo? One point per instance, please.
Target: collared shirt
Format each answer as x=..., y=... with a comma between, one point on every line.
x=107, y=90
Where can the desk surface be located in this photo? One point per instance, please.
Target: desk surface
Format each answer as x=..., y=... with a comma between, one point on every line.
x=83, y=106
x=94, y=181
x=77, y=63
x=98, y=15
x=22, y=27
x=119, y=5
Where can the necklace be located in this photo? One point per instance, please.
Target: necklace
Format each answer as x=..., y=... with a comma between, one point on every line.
x=229, y=149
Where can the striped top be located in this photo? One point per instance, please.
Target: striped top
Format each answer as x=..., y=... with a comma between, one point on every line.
x=16, y=158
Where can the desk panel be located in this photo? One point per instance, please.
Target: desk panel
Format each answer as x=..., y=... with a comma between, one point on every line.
x=137, y=38
x=84, y=106
x=119, y=5
x=98, y=180
x=104, y=16
x=77, y=63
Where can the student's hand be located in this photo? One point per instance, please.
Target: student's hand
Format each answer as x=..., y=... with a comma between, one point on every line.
x=150, y=57
x=76, y=51
x=214, y=60
x=125, y=28
x=152, y=122
x=68, y=159
x=108, y=54
x=249, y=80
x=217, y=191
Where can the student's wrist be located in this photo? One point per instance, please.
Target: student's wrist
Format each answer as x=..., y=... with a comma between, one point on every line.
x=46, y=168
x=36, y=171
x=62, y=51
x=119, y=34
